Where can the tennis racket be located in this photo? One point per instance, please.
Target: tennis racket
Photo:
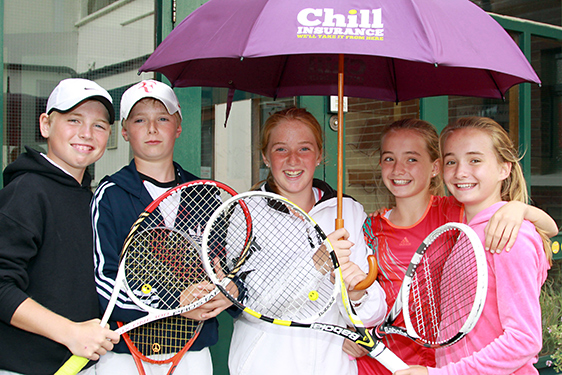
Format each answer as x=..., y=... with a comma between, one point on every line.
x=160, y=262
x=162, y=341
x=285, y=268
x=286, y=274
x=444, y=289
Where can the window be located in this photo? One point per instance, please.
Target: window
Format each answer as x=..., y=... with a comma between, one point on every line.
x=95, y=5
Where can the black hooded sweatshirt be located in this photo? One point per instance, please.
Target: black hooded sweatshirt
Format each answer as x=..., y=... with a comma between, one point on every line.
x=45, y=254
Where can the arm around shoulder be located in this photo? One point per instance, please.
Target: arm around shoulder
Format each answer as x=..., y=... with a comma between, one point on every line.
x=503, y=227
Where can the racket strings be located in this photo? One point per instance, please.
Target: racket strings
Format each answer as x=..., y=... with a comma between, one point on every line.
x=443, y=288
x=161, y=339
x=187, y=209
x=283, y=263
x=162, y=267
x=163, y=264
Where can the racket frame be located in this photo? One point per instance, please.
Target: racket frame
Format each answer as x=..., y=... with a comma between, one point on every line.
x=481, y=286
x=75, y=363
x=205, y=259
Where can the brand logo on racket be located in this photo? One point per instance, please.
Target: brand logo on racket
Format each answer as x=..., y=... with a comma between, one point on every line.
x=388, y=330
x=338, y=330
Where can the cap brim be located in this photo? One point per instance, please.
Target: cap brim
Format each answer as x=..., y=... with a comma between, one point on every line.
x=103, y=100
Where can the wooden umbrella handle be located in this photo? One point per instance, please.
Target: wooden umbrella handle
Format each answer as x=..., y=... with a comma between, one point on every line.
x=371, y=276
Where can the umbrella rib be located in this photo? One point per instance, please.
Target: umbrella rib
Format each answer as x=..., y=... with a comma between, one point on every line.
x=259, y=13
x=280, y=75
x=394, y=80
x=495, y=83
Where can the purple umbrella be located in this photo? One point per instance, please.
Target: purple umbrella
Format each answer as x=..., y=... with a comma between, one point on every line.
x=392, y=50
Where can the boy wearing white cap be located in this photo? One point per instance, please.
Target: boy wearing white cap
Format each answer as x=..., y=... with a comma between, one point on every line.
x=48, y=305
x=151, y=123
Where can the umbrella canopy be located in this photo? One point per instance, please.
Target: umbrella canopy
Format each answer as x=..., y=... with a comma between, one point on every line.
x=392, y=50
x=395, y=50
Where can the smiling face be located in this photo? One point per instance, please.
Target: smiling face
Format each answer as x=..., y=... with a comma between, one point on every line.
x=76, y=138
x=471, y=169
x=406, y=164
x=292, y=154
x=151, y=130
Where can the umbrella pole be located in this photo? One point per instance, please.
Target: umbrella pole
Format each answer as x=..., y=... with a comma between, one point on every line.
x=339, y=217
x=372, y=260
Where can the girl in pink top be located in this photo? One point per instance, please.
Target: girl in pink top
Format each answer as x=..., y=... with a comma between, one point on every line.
x=481, y=169
x=410, y=166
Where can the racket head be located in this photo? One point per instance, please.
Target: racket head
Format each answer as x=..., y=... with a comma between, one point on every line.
x=162, y=341
x=275, y=253
x=160, y=256
x=445, y=286
x=186, y=207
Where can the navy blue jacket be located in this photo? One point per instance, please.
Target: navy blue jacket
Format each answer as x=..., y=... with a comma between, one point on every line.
x=117, y=203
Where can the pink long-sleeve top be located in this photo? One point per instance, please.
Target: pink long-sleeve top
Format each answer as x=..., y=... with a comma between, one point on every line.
x=508, y=335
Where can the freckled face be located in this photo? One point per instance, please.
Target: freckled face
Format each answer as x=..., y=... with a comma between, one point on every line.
x=292, y=154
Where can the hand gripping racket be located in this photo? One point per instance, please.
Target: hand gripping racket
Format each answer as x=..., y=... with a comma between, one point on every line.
x=285, y=268
x=160, y=261
x=286, y=273
x=162, y=341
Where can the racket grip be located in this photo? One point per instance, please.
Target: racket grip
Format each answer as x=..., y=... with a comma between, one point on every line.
x=387, y=358
x=72, y=366
x=371, y=276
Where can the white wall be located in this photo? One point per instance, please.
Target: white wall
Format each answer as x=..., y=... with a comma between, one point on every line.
x=233, y=145
x=123, y=31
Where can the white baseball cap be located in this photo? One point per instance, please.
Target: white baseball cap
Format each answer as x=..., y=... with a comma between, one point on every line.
x=149, y=89
x=72, y=91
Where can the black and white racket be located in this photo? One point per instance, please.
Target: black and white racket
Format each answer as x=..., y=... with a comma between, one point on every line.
x=160, y=265
x=444, y=289
x=286, y=268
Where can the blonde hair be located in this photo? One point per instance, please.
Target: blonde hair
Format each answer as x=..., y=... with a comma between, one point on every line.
x=514, y=187
x=288, y=114
x=428, y=133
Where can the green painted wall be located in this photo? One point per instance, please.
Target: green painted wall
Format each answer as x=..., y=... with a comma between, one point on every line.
x=188, y=146
x=435, y=110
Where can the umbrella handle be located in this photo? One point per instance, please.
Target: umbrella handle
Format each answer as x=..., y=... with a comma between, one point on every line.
x=373, y=266
x=371, y=276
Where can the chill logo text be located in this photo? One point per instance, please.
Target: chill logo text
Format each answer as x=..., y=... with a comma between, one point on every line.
x=324, y=23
